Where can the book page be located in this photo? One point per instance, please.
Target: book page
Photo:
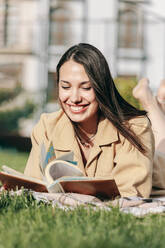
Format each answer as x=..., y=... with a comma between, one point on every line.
x=58, y=168
x=9, y=171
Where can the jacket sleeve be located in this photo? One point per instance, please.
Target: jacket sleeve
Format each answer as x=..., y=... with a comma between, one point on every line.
x=133, y=170
x=38, y=136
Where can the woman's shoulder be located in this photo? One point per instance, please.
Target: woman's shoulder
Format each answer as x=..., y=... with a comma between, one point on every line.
x=141, y=127
x=51, y=118
x=48, y=121
x=140, y=120
x=139, y=123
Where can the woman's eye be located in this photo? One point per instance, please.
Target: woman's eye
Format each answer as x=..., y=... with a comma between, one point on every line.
x=65, y=87
x=87, y=88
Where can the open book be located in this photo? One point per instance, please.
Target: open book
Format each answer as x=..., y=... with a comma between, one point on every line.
x=59, y=175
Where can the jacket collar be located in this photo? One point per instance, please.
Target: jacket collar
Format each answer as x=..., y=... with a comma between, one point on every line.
x=64, y=136
x=64, y=139
x=106, y=133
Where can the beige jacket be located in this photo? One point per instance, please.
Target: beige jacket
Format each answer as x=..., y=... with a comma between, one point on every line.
x=112, y=156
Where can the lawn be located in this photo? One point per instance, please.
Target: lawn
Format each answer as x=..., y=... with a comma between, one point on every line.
x=26, y=223
x=13, y=158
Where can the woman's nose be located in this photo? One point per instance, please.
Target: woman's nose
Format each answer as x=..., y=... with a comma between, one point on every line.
x=75, y=96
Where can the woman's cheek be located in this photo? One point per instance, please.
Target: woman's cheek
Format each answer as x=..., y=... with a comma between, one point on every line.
x=90, y=96
x=63, y=95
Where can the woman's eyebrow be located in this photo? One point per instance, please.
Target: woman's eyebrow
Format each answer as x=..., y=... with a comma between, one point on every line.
x=64, y=81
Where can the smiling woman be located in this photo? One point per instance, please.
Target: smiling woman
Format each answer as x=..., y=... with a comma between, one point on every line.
x=109, y=137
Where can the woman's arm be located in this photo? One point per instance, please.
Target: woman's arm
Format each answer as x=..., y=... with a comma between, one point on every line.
x=133, y=170
x=39, y=136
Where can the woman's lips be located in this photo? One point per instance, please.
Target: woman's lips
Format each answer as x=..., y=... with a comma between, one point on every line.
x=77, y=109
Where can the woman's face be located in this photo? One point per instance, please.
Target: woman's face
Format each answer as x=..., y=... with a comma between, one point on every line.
x=76, y=94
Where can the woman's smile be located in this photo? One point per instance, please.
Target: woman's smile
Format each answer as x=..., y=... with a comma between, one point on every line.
x=78, y=108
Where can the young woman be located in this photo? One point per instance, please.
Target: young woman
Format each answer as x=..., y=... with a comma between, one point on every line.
x=109, y=137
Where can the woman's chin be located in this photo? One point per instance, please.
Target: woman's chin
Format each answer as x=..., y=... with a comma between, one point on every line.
x=76, y=118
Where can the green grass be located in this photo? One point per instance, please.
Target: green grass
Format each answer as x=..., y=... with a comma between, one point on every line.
x=13, y=158
x=26, y=223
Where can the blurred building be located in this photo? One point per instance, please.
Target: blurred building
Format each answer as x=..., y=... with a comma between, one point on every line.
x=35, y=33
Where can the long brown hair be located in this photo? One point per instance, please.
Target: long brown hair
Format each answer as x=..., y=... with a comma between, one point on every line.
x=111, y=104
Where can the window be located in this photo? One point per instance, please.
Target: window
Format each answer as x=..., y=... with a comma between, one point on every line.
x=130, y=33
x=59, y=26
x=8, y=23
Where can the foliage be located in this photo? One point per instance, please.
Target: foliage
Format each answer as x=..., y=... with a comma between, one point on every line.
x=9, y=94
x=125, y=87
x=13, y=106
x=9, y=119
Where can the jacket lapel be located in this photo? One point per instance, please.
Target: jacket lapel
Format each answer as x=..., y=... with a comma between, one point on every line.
x=64, y=140
x=106, y=135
